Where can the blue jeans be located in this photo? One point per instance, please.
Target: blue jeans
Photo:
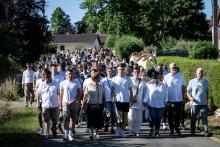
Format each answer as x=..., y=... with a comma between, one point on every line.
x=156, y=115
x=195, y=110
x=109, y=106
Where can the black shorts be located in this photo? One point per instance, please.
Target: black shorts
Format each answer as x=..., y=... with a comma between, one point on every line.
x=124, y=107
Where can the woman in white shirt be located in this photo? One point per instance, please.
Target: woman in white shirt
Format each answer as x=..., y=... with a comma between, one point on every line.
x=136, y=109
x=157, y=98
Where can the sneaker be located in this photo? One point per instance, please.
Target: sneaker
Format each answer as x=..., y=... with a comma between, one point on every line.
x=65, y=138
x=40, y=131
x=136, y=134
x=192, y=133
x=54, y=132
x=131, y=133
x=164, y=127
x=91, y=137
x=70, y=137
x=97, y=136
x=156, y=134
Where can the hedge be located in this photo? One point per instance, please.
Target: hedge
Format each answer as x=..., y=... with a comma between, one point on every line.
x=211, y=72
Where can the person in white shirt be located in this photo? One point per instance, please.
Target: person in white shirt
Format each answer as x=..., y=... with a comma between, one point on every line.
x=157, y=99
x=49, y=93
x=38, y=74
x=27, y=85
x=135, y=114
x=176, y=87
x=70, y=92
x=122, y=87
x=197, y=92
x=109, y=105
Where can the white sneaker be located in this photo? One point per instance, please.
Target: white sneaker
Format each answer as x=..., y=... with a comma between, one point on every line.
x=40, y=131
x=164, y=127
x=70, y=137
x=97, y=136
x=94, y=132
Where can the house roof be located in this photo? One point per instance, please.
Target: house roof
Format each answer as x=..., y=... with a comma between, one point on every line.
x=74, y=38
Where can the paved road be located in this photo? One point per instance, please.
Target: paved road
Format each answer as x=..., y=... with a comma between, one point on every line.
x=109, y=140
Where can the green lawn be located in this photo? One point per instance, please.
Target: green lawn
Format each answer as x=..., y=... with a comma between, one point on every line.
x=20, y=131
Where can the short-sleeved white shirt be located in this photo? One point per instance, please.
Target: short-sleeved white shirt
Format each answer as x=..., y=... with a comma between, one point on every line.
x=157, y=94
x=174, y=86
x=69, y=89
x=121, y=87
x=49, y=94
x=58, y=78
x=107, y=84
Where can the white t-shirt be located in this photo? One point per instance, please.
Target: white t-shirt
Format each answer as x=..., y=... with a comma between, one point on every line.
x=58, y=78
x=49, y=94
x=69, y=89
x=174, y=86
x=121, y=87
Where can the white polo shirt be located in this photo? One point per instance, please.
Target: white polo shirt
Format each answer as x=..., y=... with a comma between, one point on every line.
x=121, y=87
x=69, y=90
x=174, y=86
x=49, y=94
x=157, y=94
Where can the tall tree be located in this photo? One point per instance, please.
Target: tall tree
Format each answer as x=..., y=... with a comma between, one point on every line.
x=24, y=31
x=60, y=22
x=151, y=20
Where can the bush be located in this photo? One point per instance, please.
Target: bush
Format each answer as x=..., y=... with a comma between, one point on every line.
x=150, y=48
x=110, y=41
x=126, y=45
x=188, y=68
x=202, y=50
x=9, y=89
x=168, y=43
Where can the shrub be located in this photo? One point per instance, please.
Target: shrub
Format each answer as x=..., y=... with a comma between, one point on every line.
x=168, y=43
x=182, y=45
x=202, y=50
x=150, y=48
x=126, y=45
x=110, y=41
x=188, y=68
x=9, y=89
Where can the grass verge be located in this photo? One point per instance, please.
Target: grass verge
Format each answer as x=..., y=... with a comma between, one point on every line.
x=20, y=130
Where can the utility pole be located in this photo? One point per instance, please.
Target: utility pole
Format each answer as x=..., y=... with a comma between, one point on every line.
x=215, y=25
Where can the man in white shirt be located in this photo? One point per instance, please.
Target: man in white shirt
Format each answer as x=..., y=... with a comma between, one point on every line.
x=70, y=92
x=175, y=83
x=122, y=86
x=49, y=93
x=109, y=105
x=27, y=84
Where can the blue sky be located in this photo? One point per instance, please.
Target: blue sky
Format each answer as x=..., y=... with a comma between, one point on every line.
x=72, y=8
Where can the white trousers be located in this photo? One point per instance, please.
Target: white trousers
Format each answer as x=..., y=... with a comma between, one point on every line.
x=135, y=120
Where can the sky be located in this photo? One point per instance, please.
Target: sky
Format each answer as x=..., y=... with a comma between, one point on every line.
x=72, y=8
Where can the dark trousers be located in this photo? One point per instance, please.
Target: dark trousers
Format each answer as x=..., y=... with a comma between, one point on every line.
x=174, y=112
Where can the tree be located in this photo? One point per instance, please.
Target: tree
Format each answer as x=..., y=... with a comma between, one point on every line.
x=151, y=20
x=60, y=22
x=23, y=29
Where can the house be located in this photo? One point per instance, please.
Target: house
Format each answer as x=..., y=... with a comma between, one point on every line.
x=75, y=41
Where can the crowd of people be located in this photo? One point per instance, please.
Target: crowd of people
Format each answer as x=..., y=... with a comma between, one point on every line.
x=94, y=86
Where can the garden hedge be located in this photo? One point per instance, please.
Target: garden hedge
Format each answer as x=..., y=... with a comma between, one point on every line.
x=211, y=72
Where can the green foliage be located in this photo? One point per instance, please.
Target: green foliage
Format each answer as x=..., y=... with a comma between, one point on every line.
x=147, y=19
x=168, y=43
x=188, y=68
x=126, y=45
x=110, y=41
x=150, y=48
x=202, y=50
x=60, y=22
